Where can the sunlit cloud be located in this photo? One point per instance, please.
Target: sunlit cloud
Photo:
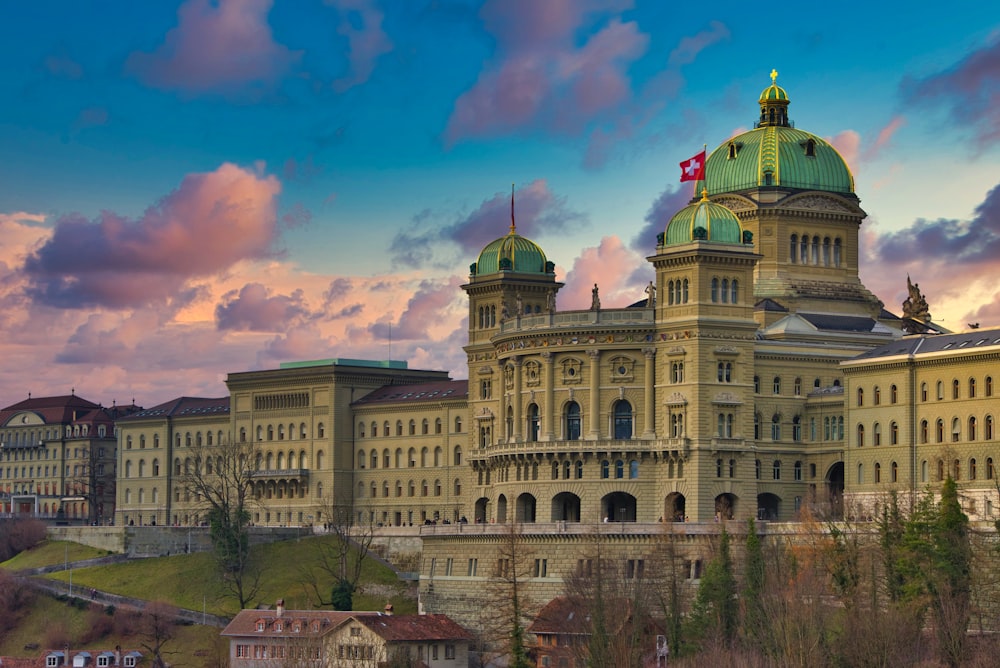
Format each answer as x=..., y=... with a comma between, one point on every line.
x=361, y=24
x=217, y=48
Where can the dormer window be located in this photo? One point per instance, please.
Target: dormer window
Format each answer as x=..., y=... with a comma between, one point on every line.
x=260, y=626
x=810, y=148
x=278, y=626
x=734, y=149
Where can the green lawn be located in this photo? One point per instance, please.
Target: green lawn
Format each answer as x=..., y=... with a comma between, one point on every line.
x=50, y=552
x=190, y=580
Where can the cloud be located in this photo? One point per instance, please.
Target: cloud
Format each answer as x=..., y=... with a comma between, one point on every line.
x=689, y=47
x=254, y=309
x=663, y=208
x=955, y=260
x=210, y=222
x=538, y=211
x=62, y=66
x=361, y=24
x=968, y=91
x=224, y=48
x=620, y=273
x=848, y=143
x=540, y=77
x=433, y=303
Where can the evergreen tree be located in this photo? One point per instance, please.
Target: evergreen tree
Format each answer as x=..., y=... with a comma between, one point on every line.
x=950, y=585
x=754, y=614
x=715, y=607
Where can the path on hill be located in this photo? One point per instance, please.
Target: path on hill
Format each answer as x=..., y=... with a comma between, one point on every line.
x=59, y=588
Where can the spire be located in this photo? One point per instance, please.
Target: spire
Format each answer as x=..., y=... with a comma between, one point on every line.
x=513, y=227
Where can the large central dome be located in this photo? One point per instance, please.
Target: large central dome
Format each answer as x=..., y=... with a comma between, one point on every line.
x=775, y=154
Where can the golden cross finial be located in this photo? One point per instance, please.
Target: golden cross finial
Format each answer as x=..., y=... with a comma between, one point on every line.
x=774, y=76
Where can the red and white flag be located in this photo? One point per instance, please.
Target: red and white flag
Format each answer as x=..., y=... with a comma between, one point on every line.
x=693, y=169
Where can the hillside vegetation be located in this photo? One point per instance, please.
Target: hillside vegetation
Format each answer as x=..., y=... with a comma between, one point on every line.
x=187, y=581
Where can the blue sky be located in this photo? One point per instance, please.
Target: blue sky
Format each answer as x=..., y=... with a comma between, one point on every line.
x=192, y=188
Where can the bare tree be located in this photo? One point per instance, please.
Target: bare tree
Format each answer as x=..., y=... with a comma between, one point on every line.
x=157, y=628
x=333, y=577
x=220, y=480
x=509, y=609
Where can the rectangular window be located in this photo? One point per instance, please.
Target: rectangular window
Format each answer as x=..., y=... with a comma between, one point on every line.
x=634, y=568
x=541, y=568
x=434, y=652
x=449, y=651
x=473, y=565
x=447, y=566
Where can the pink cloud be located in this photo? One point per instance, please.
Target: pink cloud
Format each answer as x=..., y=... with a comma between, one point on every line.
x=221, y=48
x=361, y=24
x=540, y=75
x=255, y=309
x=432, y=303
x=953, y=260
x=620, y=273
x=210, y=222
x=663, y=208
x=848, y=144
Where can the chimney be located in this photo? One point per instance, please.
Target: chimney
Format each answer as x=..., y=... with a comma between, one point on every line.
x=280, y=607
x=388, y=609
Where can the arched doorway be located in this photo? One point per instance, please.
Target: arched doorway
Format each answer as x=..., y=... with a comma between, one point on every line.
x=768, y=506
x=502, y=508
x=725, y=506
x=565, y=507
x=525, y=511
x=835, y=490
x=618, y=507
x=480, y=514
x=674, y=507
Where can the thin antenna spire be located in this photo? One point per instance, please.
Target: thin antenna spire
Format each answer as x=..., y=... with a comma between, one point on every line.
x=390, y=341
x=513, y=227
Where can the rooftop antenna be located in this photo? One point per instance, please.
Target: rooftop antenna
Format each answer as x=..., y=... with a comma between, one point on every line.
x=390, y=341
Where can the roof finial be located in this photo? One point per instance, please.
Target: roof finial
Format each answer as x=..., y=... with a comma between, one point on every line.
x=704, y=194
x=774, y=76
x=513, y=227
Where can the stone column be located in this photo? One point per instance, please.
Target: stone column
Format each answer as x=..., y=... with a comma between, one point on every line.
x=649, y=388
x=548, y=419
x=593, y=420
x=516, y=361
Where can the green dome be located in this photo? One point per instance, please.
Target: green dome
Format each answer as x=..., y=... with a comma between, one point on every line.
x=703, y=221
x=512, y=253
x=776, y=154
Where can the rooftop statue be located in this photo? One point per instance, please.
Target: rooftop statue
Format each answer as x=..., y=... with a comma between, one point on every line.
x=915, y=305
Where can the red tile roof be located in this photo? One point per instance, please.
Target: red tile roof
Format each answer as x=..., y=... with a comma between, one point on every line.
x=402, y=628
x=562, y=616
x=245, y=623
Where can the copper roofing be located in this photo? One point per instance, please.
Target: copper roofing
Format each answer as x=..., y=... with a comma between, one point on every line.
x=433, y=391
x=402, y=628
x=186, y=407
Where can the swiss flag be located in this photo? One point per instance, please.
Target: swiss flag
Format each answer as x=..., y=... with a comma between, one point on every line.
x=693, y=169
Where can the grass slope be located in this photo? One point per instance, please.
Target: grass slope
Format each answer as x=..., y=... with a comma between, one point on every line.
x=191, y=581
x=188, y=581
x=51, y=552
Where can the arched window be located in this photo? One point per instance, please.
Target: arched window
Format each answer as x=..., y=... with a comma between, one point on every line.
x=939, y=429
x=793, y=249
x=940, y=390
x=893, y=394
x=972, y=388
x=893, y=433
x=836, y=252
x=776, y=385
x=876, y=395
x=826, y=249
x=877, y=434
x=605, y=468
x=670, y=293
x=972, y=469
x=861, y=436
x=861, y=473
x=579, y=470
x=619, y=468
x=734, y=292
x=374, y=459
x=425, y=427
x=990, y=472
x=797, y=471
x=437, y=426
x=988, y=429
x=988, y=386
x=776, y=427
x=861, y=397
x=622, y=419
x=756, y=384
x=572, y=427
x=320, y=431
x=954, y=389
x=972, y=428
x=878, y=472
x=715, y=289
x=804, y=250
x=685, y=292
x=413, y=427
x=458, y=425
x=399, y=427
x=776, y=469
x=724, y=293
x=923, y=391
x=534, y=422
x=458, y=455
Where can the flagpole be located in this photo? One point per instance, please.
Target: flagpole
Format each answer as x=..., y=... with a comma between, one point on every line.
x=704, y=150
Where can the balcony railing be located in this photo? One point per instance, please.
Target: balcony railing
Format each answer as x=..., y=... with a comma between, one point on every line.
x=622, y=316
x=281, y=473
x=681, y=445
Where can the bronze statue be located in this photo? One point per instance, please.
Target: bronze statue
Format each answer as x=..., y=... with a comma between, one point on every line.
x=915, y=306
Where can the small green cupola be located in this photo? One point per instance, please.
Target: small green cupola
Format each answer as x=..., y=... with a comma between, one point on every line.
x=703, y=221
x=774, y=104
